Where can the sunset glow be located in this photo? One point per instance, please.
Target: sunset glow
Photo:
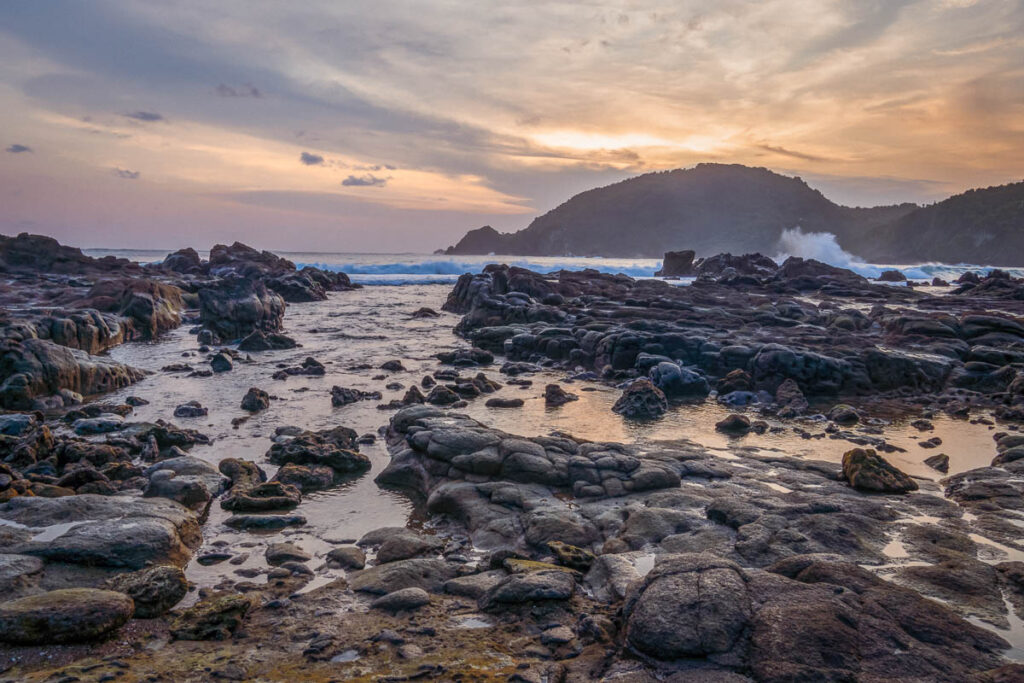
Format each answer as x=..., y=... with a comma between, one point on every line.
x=193, y=121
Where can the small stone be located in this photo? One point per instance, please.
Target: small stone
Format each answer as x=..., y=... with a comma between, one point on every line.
x=938, y=462
x=404, y=599
x=347, y=557
x=734, y=424
x=255, y=400
x=279, y=553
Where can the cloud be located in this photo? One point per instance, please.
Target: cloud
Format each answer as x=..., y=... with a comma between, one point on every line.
x=126, y=174
x=311, y=159
x=245, y=90
x=144, y=116
x=18, y=149
x=368, y=180
x=791, y=153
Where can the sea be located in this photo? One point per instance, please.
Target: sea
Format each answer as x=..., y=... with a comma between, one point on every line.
x=424, y=269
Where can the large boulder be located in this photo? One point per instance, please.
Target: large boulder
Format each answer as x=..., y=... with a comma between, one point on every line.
x=688, y=606
x=106, y=531
x=70, y=615
x=234, y=307
x=677, y=264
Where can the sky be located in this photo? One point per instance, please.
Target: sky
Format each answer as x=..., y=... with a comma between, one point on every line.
x=394, y=126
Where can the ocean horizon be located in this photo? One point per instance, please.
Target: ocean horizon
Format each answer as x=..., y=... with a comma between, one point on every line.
x=412, y=268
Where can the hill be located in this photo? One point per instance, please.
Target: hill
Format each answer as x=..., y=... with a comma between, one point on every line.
x=714, y=208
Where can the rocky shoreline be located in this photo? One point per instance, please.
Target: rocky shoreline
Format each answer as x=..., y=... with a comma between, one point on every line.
x=555, y=557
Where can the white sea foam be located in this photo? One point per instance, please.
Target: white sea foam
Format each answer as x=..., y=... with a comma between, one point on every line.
x=416, y=269
x=823, y=246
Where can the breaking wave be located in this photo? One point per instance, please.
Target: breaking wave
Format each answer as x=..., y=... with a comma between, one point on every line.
x=823, y=246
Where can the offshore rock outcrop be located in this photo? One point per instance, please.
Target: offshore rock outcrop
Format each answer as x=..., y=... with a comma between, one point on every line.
x=828, y=330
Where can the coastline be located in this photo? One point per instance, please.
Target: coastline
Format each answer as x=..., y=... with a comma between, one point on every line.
x=648, y=503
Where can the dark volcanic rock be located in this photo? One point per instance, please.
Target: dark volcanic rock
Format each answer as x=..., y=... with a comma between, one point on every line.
x=259, y=340
x=335, y=448
x=235, y=307
x=341, y=396
x=255, y=400
x=641, y=400
x=677, y=264
x=555, y=395
x=892, y=276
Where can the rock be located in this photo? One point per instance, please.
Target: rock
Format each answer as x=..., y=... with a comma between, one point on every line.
x=19, y=572
x=343, y=396
x=892, y=276
x=17, y=424
x=258, y=340
x=426, y=573
x=190, y=409
x=559, y=635
x=938, y=462
x=403, y=599
x=255, y=400
x=571, y=556
x=249, y=494
x=98, y=425
x=105, y=531
x=306, y=478
x=71, y=615
x=555, y=395
x=194, y=492
x=279, y=553
x=183, y=261
x=504, y=403
x=221, y=362
x=392, y=366
x=677, y=264
x=335, y=448
x=678, y=382
x=154, y=590
x=790, y=399
x=425, y=313
x=213, y=618
x=474, y=585
x=734, y=424
x=236, y=306
x=347, y=557
x=641, y=400
x=539, y=586
x=843, y=414
x=868, y=471
x=442, y=396
x=688, y=606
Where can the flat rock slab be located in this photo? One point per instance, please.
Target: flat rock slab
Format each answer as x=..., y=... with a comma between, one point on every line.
x=104, y=531
x=71, y=615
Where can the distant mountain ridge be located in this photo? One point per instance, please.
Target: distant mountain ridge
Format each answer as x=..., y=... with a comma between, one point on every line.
x=715, y=208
